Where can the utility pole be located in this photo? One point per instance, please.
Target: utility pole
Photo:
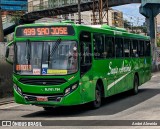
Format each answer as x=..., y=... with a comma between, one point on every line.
x=155, y=19
x=100, y=12
x=107, y=13
x=65, y=15
x=93, y=11
x=1, y=28
x=41, y=4
x=79, y=11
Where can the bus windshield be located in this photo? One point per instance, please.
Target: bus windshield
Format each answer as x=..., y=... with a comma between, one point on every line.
x=46, y=58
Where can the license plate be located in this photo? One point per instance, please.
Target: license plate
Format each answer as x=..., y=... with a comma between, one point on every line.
x=42, y=99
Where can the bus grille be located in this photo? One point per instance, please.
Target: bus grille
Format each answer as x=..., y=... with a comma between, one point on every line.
x=42, y=81
x=56, y=98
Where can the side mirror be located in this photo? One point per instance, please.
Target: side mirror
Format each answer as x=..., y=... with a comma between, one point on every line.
x=7, y=52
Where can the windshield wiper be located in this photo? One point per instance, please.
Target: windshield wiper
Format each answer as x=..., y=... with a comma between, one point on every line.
x=54, y=48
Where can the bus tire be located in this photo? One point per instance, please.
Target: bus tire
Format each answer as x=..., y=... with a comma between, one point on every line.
x=135, y=85
x=48, y=108
x=98, y=98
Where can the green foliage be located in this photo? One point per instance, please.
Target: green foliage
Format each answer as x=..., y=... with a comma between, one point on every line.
x=16, y=17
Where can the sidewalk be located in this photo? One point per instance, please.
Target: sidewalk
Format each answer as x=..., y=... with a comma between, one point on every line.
x=155, y=73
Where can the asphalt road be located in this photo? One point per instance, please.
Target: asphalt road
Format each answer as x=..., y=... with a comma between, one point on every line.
x=144, y=106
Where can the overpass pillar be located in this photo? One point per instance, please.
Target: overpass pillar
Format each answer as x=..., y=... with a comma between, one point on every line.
x=150, y=11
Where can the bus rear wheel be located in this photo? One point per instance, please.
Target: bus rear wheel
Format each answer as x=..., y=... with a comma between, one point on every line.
x=98, y=98
x=135, y=85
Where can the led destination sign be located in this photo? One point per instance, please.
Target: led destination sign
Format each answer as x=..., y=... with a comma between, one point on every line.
x=44, y=31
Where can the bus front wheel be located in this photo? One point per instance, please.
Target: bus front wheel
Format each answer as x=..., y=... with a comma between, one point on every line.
x=98, y=98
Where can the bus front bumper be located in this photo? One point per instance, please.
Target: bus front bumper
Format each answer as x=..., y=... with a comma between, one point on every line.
x=74, y=98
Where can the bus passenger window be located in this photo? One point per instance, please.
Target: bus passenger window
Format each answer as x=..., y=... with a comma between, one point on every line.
x=135, y=48
x=109, y=47
x=86, y=54
x=127, y=48
x=85, y=48
x=119, y=47
x=141, y=48
x=147, y=48
x=99, y=46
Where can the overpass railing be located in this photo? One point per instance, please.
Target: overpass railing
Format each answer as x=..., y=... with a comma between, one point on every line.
x=36, y=5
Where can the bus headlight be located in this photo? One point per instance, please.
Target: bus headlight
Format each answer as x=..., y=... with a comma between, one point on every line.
x=67, y=91
x=70, y=89
x=18, y=89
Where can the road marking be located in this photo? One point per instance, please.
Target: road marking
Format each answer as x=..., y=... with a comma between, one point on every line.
x=6, y=106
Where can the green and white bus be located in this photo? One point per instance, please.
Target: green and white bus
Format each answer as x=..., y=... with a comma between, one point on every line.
x=64, y=64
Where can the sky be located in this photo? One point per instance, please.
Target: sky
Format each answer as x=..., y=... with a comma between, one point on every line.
x=131, y=13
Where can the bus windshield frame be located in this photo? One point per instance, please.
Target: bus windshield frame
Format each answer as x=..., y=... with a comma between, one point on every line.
x=46, y=57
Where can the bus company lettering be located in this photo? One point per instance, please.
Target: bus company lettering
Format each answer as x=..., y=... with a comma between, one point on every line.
x=123, y=69
x=52, y=89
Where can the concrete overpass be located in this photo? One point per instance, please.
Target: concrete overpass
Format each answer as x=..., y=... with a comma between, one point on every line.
x=35, y=15
x=150, y=9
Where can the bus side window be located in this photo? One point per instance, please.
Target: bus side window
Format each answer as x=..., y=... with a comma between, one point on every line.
x=86, y=59
x=141, y=48
x=109, y=47
x=134, y=50
x=119, y=47
x=99, y=46
x=127, y=43
x=147, y=48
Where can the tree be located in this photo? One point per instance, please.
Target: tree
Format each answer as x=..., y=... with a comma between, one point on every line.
x=16, y=17
x=127, y=24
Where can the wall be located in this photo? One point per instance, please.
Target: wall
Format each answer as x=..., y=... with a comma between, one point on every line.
x=6, y=69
